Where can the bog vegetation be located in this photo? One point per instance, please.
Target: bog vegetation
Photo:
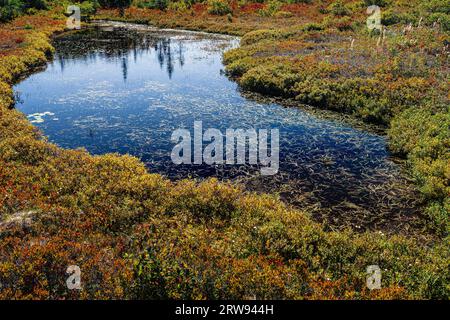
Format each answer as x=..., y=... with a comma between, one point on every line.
x=138, y=235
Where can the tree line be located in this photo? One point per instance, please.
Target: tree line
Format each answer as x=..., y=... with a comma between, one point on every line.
x=10, y=9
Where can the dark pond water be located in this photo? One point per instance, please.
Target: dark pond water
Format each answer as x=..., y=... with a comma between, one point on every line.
x=124, y=88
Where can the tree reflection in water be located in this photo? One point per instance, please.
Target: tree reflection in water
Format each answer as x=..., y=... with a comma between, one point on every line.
x=118, y=43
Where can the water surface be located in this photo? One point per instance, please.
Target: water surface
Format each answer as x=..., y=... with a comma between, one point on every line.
x=124, y=88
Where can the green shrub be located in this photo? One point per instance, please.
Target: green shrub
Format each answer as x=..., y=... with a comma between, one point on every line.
x=115, y=3
x=437, y=6
x=441, y=18
x=438, y=217
x=299, y=1
x=263, y=34
x=391, y=17
x=180, y=6
x=88, y=7
x=425, y=138
x=272, y=7
x=120, y=4
x=141, y=236
x=239, y=67
x=277, y=79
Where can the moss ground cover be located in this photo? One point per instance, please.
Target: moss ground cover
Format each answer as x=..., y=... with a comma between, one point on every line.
x=139, y=235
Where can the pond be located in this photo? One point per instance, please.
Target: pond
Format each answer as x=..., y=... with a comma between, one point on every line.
x=125, y=88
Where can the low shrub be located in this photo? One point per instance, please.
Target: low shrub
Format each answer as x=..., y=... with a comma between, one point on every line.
x=425, y=137
x=272, y=7
x=272, y=79
x=338, y=8
x=263, y=34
